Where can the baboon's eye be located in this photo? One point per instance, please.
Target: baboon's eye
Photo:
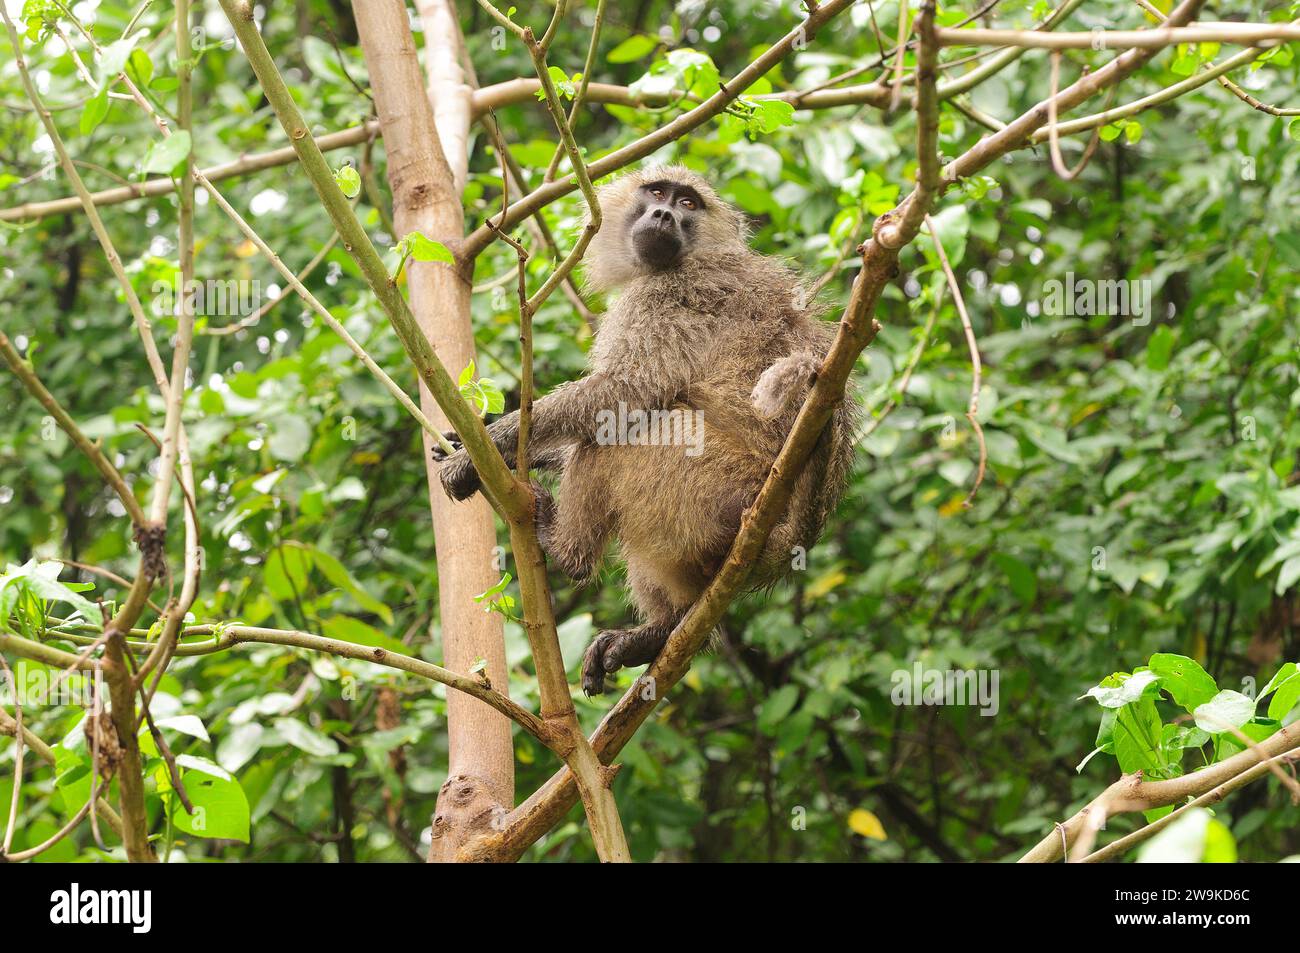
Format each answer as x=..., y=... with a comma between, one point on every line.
x=657, y=193
x=688, y=203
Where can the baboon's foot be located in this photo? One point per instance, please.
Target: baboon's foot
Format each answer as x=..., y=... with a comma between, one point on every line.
x=619, y=648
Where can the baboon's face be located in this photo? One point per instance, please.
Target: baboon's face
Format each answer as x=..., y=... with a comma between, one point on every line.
x=664, y=222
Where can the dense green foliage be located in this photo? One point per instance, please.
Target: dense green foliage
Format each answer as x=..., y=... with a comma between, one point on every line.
x=1141, y=494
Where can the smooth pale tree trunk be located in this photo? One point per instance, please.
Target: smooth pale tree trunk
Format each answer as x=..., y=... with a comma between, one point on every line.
x=427, y=164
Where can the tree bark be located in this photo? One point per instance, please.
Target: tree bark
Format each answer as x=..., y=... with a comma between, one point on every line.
x=427, y=164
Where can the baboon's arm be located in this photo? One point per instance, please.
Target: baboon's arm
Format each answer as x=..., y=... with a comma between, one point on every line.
x=566, y=416
x=572, y=412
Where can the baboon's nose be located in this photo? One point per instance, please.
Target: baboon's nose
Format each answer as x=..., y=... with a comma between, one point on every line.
x=663, y=217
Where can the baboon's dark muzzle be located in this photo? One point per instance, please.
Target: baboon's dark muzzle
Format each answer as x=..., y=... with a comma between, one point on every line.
x=657, y=238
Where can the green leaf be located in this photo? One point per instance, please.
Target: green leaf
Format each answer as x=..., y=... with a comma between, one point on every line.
x=779, y=704
x=1159, y=347
x=1182, y=842
x=290, y=437
x=1281, y=675
x=1184, y=65
x=1220, y=846
x=287, y=568
x=495, y=400
x=306, y=738
x=1285, y=698
x=952, y=225
x=633, y=48
x=1023, y=580
x=1122, y=472
x=139, y=67
x=1288, y=575
x=496, y=599
x=1257, y=730
x=348, y=180
x=1185, y=680
x=239, y=745
x=769, y=115
x=696, y=69
x=72, y=776
x=163, y=157
x=41, y=580
x=1227, y=709
x=1176, y=737
x=191, y=725
x=422, y=248
x=220, y=807
x=564, y=87
x=334, y=571
x=1138, y=732
x=1122, y=690
x=94, y=113
x=113, y=60
x=485, y=393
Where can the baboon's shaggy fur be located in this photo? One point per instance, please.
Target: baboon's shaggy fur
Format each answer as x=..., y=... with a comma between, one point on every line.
x=724, y=331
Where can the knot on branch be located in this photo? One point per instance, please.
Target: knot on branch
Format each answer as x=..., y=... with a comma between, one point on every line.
x=557, y=734
x=101, y=733
x=608, y=772
x=885, y=229
x=152, y=541
x=466, y=811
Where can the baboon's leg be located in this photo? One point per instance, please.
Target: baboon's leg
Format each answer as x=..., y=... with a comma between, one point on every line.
x=575, y=531
x=624, y=648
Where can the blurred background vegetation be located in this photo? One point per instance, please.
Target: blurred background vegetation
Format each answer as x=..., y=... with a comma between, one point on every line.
x=1136, y=500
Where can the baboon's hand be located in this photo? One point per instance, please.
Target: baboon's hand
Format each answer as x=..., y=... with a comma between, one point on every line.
x=439, y=454
x=459, y=478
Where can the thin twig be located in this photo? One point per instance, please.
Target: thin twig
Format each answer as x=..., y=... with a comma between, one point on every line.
x=1058, y=163
x=11, y=822
x=580, y=96
x=870, y=427
x=972, y=410
x=107, y=471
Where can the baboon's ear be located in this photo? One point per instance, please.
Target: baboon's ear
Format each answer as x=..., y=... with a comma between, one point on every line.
x=608, y=263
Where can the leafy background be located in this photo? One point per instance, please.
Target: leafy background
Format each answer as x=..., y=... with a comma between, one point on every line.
x=1141, y=496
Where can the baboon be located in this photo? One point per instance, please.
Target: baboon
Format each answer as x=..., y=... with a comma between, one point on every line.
x=701, y=325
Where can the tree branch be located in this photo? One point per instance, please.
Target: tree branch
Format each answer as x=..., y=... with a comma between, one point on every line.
x=503, y=488
x=715, y=104
x=1131, y=793
x=1245, y=34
